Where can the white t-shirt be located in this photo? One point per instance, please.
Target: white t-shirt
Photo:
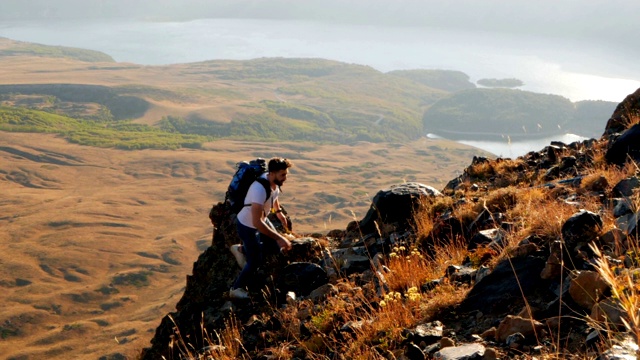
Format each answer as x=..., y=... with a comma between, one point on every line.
x=256, y=194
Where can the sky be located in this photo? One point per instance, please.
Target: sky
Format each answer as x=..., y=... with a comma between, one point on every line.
x=612, y=23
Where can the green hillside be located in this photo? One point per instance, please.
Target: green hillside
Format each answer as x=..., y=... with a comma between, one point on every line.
x=488, y=113
x=116, y=134
x=447, y=80
x=18, y=48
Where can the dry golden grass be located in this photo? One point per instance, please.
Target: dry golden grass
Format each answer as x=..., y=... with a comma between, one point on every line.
x=500, y=172
x=406, y=306
x=225, y=345
x=540, y=213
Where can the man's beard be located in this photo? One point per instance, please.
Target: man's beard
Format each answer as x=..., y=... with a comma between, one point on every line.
x=278, y=182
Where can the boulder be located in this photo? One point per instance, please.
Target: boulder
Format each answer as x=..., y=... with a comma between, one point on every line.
x=413, y=352
x=622, y=207
x=629, y=224
x=428, y=332
x=396, y=205
x=627, y=349
x=492, y=238
x=625, y=187
x=587, y=287
x=609, y=311
x=462, y=352
x=581, y=227
x=516, y=324
x=621, y=115
x=301, y=278
x=625, y=147
x=501, y=287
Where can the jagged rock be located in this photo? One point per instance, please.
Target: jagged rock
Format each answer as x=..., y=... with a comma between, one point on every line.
x=515, y=340
x=413, y=352
x=490, y=354
x=515, y=324
x=586, y=288
x=461, y=274
x=621, y=115
x=462, y=352
x=626, y=350
x=302, y=278
x=493, y=238
x=446, y=342
x=608, y=311
x=552, y=152
x=500, y=287
x=453, y=184
x=567, y=162
x=396, y=205
x=626, y=186
x=482, y=272
x=553, y=266
x=431, y=284
x=304, y=249
x=428, y=332
x=622, y=207
x=629, y=224
x=524, y=250
x=581, y=227
x=489, y=333
x=322, y=292
x=348, y=261
x=625, y=147
x=486, y=219
x=552, y=173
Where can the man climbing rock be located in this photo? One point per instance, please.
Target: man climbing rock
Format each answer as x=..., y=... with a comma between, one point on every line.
x=259, y=236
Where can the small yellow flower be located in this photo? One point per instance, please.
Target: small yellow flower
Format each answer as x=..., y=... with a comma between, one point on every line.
x=402, y=248
x=383, y=303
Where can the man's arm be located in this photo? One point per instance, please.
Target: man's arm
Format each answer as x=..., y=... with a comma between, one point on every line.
x=257, y=212
x=280, y=215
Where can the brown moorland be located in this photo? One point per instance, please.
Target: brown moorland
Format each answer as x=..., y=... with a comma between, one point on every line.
x=96, y=243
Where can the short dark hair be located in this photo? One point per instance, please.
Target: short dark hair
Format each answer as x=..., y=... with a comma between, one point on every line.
x=277, y=164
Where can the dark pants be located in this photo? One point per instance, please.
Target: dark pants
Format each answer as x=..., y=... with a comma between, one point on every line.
x=255, y=246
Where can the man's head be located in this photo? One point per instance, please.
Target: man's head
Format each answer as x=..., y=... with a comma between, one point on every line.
x=278, y=170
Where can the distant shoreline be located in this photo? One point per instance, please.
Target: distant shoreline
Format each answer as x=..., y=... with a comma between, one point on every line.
x=491, y=136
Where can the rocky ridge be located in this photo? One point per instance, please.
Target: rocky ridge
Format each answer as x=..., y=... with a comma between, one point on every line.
x=531, y=287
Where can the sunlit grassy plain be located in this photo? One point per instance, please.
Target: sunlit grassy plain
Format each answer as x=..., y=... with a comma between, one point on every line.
x=96, y=243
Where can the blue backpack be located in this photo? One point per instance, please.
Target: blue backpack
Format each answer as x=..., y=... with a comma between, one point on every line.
x=247, y=173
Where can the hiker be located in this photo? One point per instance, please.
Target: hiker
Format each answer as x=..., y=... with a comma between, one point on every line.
x=259, y=236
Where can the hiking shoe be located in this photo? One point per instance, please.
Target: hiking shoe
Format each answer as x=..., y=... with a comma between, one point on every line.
x=238, y=293
x=240, y=258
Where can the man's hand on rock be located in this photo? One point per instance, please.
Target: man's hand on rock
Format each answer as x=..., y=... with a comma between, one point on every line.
x=285, y=245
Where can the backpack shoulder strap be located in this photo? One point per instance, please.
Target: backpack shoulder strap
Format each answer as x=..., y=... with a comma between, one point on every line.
x=265, y=183
x=267, y=187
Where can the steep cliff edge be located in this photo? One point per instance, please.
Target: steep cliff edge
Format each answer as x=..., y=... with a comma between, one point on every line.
x=523, y=257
